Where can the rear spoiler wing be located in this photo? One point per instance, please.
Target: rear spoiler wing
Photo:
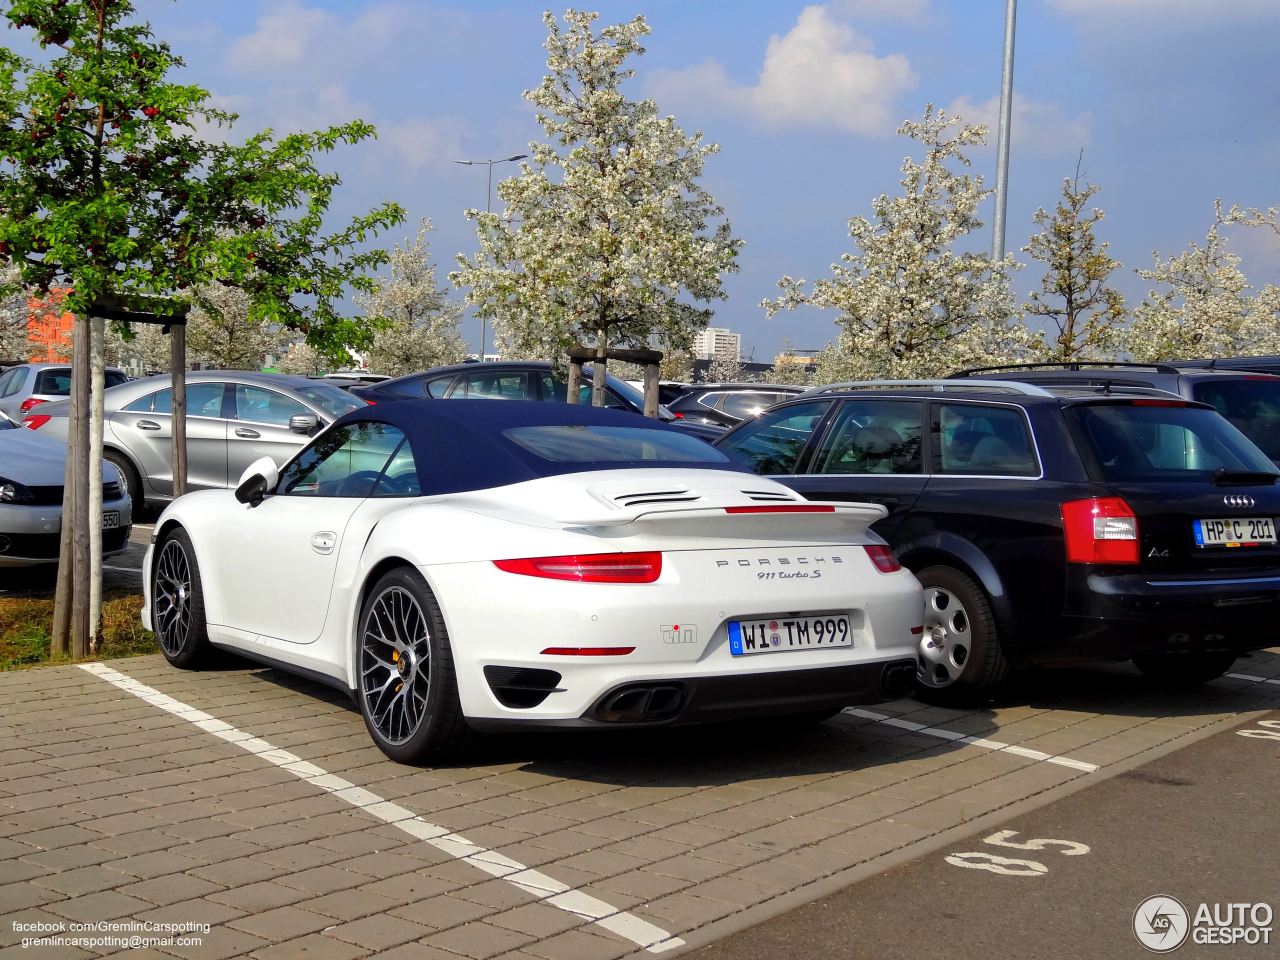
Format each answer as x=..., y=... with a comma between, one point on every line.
x=860, y=515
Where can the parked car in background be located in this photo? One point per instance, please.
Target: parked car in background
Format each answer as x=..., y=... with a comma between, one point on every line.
x=32, y=471
x=1251, y=401
x=515, y=380
x=233, y=418
x=728, y=404
x=668, y=390
x=28, y=385
x=1048, y=524
x=452, y=593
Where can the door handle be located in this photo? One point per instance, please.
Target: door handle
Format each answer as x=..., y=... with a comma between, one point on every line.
x=324, y=541
x=247, y=433
x=147, y=425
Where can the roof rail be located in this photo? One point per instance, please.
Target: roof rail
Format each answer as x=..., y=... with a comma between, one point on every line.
x=1116, y=390
x=1067, y=365
x=936, y=386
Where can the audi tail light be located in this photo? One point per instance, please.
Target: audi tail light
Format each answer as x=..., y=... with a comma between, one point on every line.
x=1100, y=530
x=589, y=568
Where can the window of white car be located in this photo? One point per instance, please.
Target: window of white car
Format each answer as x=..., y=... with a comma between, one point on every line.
x=349, y=462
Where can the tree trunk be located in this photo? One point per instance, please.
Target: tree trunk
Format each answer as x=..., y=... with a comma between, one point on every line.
x=651, y=390
x=60, y=644
x=574, y=386
x=178, y=364
x=97, y=360
x=598, y=374
x=80, y=519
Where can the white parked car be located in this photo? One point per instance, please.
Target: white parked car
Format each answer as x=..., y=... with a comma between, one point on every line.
x=477, y=565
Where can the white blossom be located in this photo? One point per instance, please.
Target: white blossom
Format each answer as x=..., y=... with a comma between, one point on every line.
x=14, y=336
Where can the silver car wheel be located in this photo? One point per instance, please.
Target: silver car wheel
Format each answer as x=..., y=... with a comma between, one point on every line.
x=947, y=639
x=395, y=664
x=172, y=601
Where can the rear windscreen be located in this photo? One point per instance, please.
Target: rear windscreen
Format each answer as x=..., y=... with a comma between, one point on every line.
x=1146, y=441
x=1252, y=406
x=597, y=443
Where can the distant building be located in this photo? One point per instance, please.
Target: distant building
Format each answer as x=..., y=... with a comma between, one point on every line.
x=718, y=342
x=49, y=328
x=804, y=359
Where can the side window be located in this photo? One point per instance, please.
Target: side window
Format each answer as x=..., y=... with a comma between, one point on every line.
x=494, y=385
x=983, y=440
x=113, y=378
x=259, y=405
x=773, y=443
x=558, y=390
x=11, y=381
x=400, y=477
x=743, y=405
x=203, y=400
x=874, y=436
x=437, y=388
x=56, y=383
x=346, y=462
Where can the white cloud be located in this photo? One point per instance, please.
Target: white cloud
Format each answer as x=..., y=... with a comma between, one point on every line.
x=1036, y=125
x=283, y=39
x=425, y=142
x=822, y=73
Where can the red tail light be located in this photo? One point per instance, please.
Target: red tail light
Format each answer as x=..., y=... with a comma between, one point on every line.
x=589, y=568
x=882, y=556
x=34, y=421
x=1100, y=530
x=30, y=402
x=587, y=651
x=784, y=508
x=677, y=414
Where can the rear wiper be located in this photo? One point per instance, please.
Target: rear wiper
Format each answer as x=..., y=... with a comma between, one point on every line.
x=1222, y=476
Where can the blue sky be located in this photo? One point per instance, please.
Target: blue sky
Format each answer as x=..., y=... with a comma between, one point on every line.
x=1172, y=102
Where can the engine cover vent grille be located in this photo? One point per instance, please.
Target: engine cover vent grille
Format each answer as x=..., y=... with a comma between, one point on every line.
x=771, y=496
x=638, y=498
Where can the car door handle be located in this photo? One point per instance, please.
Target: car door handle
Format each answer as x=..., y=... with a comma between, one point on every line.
x=147, y=425
x=247, y=433
x=324, y=541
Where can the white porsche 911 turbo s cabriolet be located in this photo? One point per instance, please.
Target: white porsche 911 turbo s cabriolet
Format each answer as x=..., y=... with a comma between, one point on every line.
x=478, y=565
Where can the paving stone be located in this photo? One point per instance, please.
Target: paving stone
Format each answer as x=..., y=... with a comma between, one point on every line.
x=579, y=945
x=352, y=904
x=282, y=923
x=259, y=896
x=441, y=913
x=380, y=932
x=316, y=946
x=171, y=888
x=479, y=940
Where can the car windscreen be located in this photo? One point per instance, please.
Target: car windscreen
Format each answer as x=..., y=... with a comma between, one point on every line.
x=1152, y=440
x=1251, y=404
x=598, y=443
x=333, y=400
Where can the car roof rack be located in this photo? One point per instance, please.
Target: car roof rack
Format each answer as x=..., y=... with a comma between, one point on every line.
x=936, y=386
x=1067, y=365
x=1112, y=390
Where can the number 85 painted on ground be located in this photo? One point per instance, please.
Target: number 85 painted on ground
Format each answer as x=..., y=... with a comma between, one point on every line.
x=1012, y=866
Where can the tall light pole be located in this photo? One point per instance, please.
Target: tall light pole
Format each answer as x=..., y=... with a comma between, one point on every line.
x=488, y=202
x=1002, y=143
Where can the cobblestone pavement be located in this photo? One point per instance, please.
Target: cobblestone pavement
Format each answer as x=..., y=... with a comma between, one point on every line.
x=254, y=802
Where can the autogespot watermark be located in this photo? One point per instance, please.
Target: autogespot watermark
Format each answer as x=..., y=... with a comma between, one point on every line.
x=1162, y=923
x=101, y=935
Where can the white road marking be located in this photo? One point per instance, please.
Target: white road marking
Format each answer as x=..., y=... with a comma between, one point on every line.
x=955, y=737
x=123, y=569
x=533, y=882
x=1251, y=678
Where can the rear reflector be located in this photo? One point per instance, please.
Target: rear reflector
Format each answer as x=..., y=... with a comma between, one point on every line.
x=587, y=651
x=784, y=508
x=882, y=556
x=589, y=568
x=1100, y=530
x=30, y=402
x=34, y=421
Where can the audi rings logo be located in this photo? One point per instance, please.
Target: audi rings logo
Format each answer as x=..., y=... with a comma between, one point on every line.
x=1237, y=500
x=1161, y=923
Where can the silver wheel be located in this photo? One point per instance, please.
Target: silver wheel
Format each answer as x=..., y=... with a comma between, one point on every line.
x=173, y=595
x=947, y=640
x=395, y=664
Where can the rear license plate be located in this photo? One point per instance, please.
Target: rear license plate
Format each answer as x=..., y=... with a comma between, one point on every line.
x=1235, y=532
x=793, y=633
x=110, y=519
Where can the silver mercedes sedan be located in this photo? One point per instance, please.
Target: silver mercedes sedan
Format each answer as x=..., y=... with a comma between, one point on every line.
x=32, y=469
x=233, y=418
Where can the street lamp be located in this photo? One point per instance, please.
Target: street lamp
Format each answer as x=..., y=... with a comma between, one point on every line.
x=488, y=201
x=1002, y=141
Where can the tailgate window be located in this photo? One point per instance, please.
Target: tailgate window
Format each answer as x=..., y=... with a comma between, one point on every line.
x=1152, y=441
x=1252, y=406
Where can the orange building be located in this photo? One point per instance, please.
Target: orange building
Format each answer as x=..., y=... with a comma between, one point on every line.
x=49, y=328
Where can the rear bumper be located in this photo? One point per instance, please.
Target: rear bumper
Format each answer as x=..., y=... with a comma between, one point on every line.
x=709, y=699
x=29, y=535
x=1133, y=615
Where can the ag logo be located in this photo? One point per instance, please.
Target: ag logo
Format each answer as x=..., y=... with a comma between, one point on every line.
x=1161, y=923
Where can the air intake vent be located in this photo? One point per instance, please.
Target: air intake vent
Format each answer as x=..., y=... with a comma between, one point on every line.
x=771, y=496
x=636, y=498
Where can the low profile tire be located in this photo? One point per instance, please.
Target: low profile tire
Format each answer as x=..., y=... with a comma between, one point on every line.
x=1185, y=669
x=408, y=691
x=177, y=602
x=959, y=657
x=129, y=479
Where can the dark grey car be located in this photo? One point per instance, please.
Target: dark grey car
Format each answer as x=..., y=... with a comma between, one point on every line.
x=233, y=418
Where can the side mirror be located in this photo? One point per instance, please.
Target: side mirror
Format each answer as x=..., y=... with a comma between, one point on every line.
x=257, y=480
x=304, y=423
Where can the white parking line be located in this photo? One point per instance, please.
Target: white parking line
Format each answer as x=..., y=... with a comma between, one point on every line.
x=955, y=737
x=1252, y=679
x=533, y=882
x=123, y=569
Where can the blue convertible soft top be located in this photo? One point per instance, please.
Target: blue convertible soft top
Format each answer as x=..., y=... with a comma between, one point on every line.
x=461, y=445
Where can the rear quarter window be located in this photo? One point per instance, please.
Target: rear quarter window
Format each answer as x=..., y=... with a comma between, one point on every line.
x=983, y=440
x=54, y=383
